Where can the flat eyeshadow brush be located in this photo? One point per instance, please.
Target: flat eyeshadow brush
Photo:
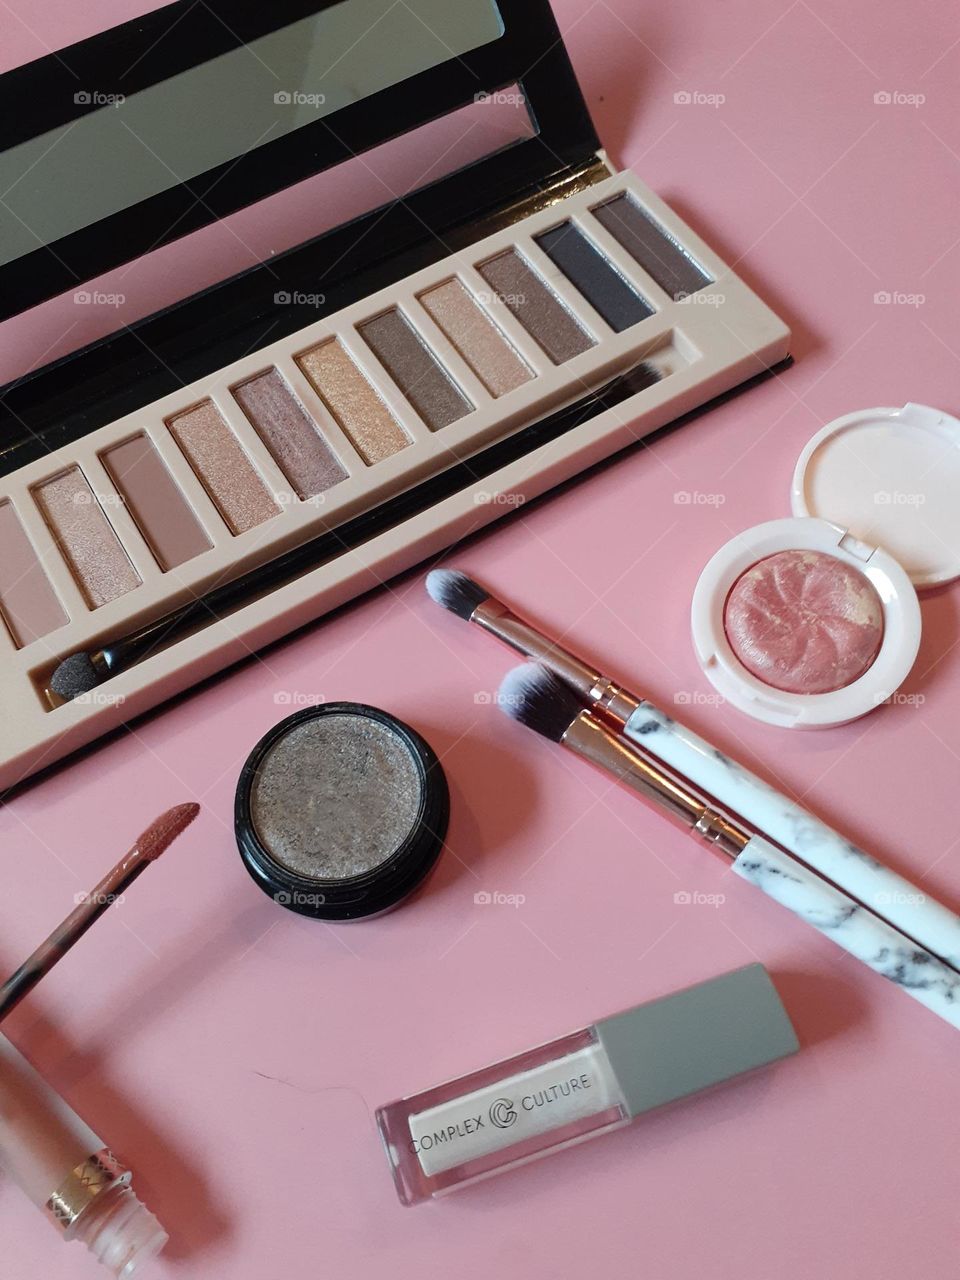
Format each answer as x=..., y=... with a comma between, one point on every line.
x=146, y=849
x=80, y=673
x=711, y=772
x=541, y=700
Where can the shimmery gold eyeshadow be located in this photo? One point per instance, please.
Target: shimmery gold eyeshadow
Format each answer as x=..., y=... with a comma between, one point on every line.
x=536, y=306
x=90, y=547
x=364, y=418
x=456, y=312
x=28, y=602
x=222, y=467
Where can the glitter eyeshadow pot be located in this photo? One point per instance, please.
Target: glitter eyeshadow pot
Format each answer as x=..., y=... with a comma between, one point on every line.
x=341, y=811
x=815, y=620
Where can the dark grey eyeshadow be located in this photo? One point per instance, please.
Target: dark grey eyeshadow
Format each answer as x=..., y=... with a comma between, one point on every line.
x=600, y=283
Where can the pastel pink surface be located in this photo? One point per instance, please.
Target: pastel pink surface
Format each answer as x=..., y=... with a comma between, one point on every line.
x=235, y=1053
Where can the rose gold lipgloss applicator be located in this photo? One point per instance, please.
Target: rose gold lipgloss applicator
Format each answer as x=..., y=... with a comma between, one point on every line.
x=55, y=1158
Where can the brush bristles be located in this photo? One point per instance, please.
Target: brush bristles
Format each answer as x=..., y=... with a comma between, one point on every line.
x=539, y=699
x=162, y=833
x=455, y=591
x=643, y=376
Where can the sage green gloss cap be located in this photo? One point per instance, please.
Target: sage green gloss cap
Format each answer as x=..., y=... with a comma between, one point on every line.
x=698, y=1037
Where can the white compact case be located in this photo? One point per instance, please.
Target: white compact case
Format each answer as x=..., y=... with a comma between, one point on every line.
x=878, y=489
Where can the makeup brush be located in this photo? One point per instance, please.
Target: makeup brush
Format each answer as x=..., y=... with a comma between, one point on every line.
x=539, y=699
x=713, y=773
x=146, y=849
x=82, y=672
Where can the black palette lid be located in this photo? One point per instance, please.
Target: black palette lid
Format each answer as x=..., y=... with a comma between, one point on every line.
x=202, y=75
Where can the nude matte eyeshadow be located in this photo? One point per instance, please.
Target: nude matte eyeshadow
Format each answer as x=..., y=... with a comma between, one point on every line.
x=163, y=515
x=28, y=602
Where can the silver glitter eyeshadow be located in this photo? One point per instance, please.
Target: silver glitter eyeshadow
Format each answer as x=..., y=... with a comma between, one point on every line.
x=335, y=797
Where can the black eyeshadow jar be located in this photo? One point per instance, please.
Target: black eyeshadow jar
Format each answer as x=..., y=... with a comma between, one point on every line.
x=341, y=811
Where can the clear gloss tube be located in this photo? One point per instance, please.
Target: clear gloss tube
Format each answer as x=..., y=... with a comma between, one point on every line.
x=67, y=1171
x=583, y=1084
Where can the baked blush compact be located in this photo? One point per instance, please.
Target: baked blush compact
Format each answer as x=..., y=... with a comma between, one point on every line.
x=814, y=620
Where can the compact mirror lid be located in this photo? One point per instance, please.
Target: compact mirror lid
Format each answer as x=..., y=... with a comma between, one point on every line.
x=891, y=477
x=169, y=122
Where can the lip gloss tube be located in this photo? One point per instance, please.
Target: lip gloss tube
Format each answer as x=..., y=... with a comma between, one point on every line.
x=68, y=1172
x=584, y=1084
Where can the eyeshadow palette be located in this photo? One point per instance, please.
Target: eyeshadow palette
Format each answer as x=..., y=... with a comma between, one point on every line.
x=443, y=371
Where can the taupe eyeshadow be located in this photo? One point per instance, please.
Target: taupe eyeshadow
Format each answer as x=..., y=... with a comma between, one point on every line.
x=415, y=369
x=335, y=797
x=662, y=257
x=536, y=306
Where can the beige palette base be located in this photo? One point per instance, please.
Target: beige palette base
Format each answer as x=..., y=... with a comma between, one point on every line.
x=198, y=488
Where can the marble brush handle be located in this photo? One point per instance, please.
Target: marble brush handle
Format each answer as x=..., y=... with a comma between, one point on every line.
x=906, y=906
x=851, y=926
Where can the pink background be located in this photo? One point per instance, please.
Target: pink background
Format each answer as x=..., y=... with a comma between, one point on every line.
x=235, y=1053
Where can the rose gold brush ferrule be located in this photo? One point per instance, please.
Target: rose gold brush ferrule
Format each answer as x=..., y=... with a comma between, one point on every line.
x=501, y=622
x=594, y=742
x=613, y=704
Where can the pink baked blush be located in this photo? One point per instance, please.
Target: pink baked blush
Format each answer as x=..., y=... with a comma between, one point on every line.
x=804, y=622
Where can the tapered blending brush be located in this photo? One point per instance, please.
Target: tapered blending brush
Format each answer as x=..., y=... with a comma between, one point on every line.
x=712, y=772
x=539, y=699
x=146, y=849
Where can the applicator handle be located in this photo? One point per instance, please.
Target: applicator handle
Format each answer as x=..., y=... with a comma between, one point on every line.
x=851, y=926
x=764, y=808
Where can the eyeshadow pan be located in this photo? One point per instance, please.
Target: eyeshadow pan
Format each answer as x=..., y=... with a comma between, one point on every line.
x=222, y=466
x=363, y=417
x=456, y=312
x=415, y=369
x=163, y=515
x=586, y=267
x=536, y=306
x=335, y=797
x=28, y=602
x=662, y=257
x=90, y=547
x=291, y=435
